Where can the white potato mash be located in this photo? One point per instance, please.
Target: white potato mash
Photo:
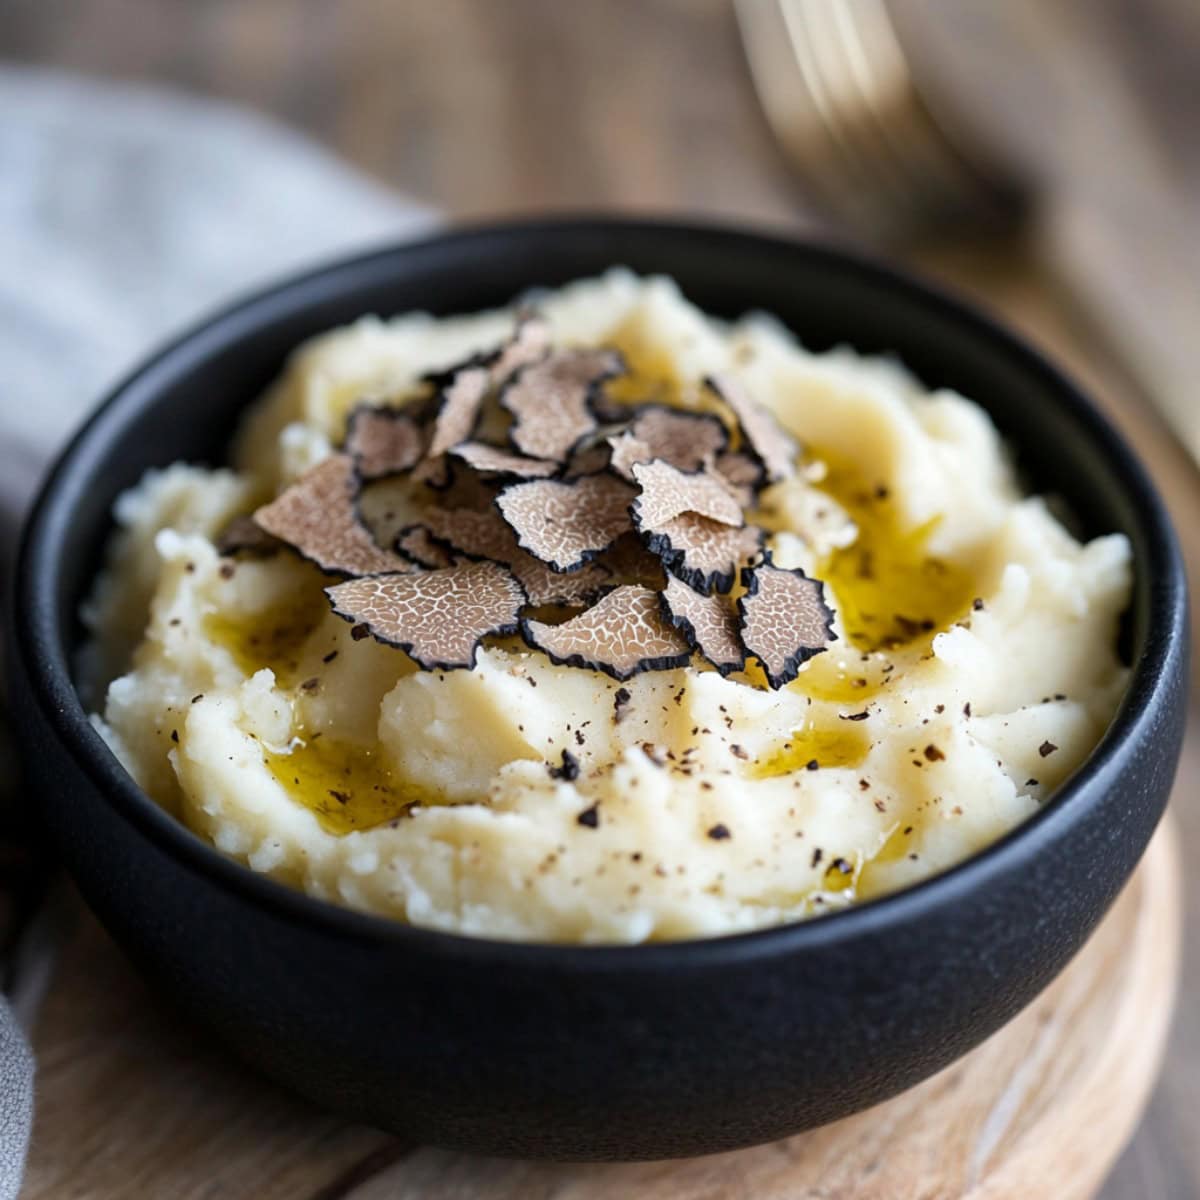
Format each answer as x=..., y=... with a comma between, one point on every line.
x=975, y=666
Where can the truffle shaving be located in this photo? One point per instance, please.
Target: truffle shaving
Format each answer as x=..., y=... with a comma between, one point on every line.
x=418, y=545
x=437, y=617
x=589, y=458
x=495, y=460
x=623, y=634
x=626, y=451
x=551, y=400
x=784, y=619
x=459, y=412
x=667, y=492
x=317, y=516
x=243, y=535
x=567, y=523
x=467, y=488
x=743, y=473
x=383, y=441
x=433, y=473
x=708, y=622
x=686, y=440
x=704, y=553
x=544, y=586
x=631, y=562
x=764, y=437
x=530, y=341
x=477, y=534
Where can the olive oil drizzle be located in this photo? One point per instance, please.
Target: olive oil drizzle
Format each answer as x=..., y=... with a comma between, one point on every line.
x=347, y=786
x=889, y=589
x=650, y=375
x=826, y=747
x=272, y=638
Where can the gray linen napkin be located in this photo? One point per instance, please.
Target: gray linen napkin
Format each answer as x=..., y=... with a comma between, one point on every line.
x=125, y=212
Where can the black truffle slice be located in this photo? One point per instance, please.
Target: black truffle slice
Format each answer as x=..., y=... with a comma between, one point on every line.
x=631, y=562
x=383, y=441
x=704, y=553
x=495, y=460
x=437, y=617
x=565, y=523
x=530, y=341
x=467, y=488
x=686, y=440
x=433, y=473
x=623, y=634
x=485, y=535
x=764, y=437
x=551, y=400
x=418, y=545
x=589, y=457
x=474, y=533
x=743, y=473
x=708, y=622
x=626, y=450
x=458, y=413
x=666, y=492
x=545, y=586
x=317, y=516
x=784, y=619
x=243, y=535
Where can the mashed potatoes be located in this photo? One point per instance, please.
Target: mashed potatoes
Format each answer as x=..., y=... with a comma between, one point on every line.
x=975, y=665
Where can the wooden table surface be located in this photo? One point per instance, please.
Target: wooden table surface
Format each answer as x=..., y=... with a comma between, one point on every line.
x=487, y=107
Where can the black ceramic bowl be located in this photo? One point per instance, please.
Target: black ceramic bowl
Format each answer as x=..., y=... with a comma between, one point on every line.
x=629, y=1052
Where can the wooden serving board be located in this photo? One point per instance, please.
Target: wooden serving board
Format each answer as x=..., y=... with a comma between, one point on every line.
x=131, y=1102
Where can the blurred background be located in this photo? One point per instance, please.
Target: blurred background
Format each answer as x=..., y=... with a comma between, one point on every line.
x=1040, y=155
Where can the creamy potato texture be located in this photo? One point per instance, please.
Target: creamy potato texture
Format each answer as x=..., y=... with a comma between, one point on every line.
x=975, y=667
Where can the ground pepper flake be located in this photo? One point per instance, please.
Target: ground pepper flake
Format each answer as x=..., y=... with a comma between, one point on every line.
x=719, y=833
x=1046, y=749
x=933, y=754
x=569, y=770
x=589, y=818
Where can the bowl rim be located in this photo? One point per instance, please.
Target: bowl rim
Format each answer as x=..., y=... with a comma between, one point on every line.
x=46, y=667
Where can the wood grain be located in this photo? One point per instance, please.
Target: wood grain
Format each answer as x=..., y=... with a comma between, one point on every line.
x=486, y=108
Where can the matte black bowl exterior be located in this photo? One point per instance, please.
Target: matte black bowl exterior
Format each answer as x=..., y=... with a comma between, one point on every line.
x=633, y=1052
